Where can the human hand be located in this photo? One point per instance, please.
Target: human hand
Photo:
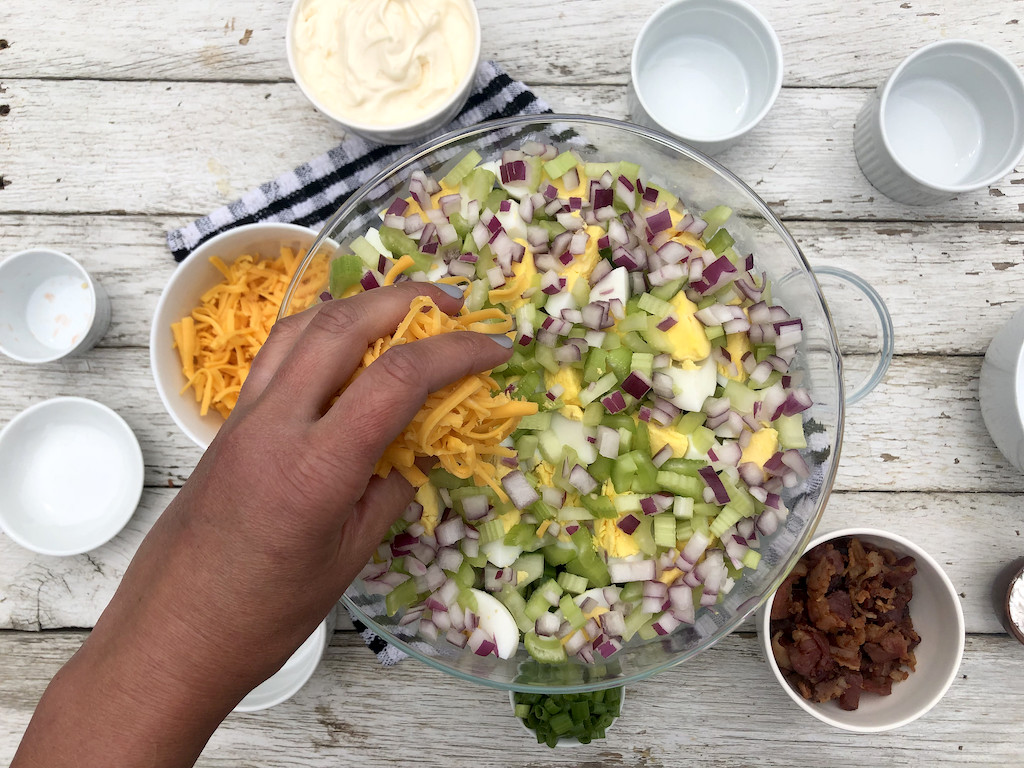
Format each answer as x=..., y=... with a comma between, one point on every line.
x=282, y=511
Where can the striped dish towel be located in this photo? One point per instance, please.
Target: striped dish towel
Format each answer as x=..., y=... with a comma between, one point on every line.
x=311, y=193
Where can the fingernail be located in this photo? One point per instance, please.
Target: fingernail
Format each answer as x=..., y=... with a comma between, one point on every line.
x=500, y=339
x=452, y=290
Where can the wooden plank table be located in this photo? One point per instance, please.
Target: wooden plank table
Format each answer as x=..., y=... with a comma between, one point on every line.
x=119, y=121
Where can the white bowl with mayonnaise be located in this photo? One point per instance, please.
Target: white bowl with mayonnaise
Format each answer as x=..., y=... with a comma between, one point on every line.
x=393, y=71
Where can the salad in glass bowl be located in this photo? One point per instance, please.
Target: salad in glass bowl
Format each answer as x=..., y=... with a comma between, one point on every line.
x=662, y=482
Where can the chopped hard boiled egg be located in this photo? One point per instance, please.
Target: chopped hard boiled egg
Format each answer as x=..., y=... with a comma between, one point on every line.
x=762, y=446
x=689, y=342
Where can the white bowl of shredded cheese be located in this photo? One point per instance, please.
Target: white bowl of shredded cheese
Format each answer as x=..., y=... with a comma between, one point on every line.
x=204, y=335
x=393, y=71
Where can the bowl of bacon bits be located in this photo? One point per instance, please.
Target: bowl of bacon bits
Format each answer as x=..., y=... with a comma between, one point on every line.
x=866, y=632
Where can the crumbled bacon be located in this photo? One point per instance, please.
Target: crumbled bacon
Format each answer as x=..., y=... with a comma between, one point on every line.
x=840, y=622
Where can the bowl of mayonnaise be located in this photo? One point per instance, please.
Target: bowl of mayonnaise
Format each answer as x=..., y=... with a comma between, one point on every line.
x=393, y=71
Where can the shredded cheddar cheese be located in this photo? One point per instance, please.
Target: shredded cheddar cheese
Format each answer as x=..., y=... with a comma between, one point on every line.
x=219, y=339
x=462, y=424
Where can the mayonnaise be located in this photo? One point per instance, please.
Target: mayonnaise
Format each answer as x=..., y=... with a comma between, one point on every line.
x=383, y=62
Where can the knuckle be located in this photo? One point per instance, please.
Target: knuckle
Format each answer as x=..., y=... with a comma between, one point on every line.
x=400, y=368
x=335, y=317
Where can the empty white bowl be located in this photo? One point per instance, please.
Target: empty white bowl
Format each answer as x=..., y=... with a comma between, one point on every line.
x=706, y=71
x=939, y=621
x=49, y=307
x=948, y=120
x=193, y=277
x=71, y=475
x=295, y=673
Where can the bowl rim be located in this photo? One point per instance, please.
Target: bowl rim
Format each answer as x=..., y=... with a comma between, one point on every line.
x=114, y=523
x=901, y=542
x=367, y=129
x=762, y=208
x=157, y=328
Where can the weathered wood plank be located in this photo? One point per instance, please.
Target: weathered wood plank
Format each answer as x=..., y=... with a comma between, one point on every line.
x=921, y=430
x=145, y=147
x=971, y=535
x=914, y=266
x=724, y=709
x=825, y=42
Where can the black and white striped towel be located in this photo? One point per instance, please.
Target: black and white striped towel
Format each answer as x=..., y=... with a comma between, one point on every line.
x=312, y=192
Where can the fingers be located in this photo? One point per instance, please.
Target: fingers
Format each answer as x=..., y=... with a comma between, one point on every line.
x=382, y=401
x=283, y=335
x=315, y=353
x=383, y=501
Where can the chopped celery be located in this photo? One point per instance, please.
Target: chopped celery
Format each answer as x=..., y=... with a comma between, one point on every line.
x=400, y=597
x=791, y=431
x=459, y=171
x=546, y=650
x=715, y=218
x=599, y=506
x=366, y=251
x=635, y=621
x=572, y=583
x=627, y=502
x=727, y=518
x=491, y=530
x=596, y=365
x=529, y=567
x=682, y=507
x=665, y=530
x=601, y=468
x=654, y=305
x=346, y=271
x=681, y=485
x=535, y=421
x=740, y=397
x=477, y=184
x=720, y=241
x=520, y=535
x=559, y=166
x=571, y=612
x=516, y=605
x=751, y=559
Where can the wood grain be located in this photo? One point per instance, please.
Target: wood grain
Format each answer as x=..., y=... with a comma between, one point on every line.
x=824, y=42
x=215, y=141
x=355, y=712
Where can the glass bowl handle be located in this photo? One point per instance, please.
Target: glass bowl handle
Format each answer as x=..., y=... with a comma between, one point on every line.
x=863, y=327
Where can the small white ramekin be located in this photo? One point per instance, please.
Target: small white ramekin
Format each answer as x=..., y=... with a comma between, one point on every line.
x=398, y=133
x=50, y=307
x=295, y=673
x=1001, y=389
x=705, y=71
x=948, y=120
x=71, y=476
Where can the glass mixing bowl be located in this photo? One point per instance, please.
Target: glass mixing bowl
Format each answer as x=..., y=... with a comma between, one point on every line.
x=701, y=183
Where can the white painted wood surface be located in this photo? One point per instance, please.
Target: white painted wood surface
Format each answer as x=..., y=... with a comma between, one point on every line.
x=120, y=121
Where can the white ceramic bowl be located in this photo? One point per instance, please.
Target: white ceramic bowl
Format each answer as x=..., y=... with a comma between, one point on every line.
x=402, y=132
x=706, y=71
x=1001, y=389
x=71, y=475
x=193, y=277
x=938, y=619
x=295, y=673
x=948, y=120
x=49, y=307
